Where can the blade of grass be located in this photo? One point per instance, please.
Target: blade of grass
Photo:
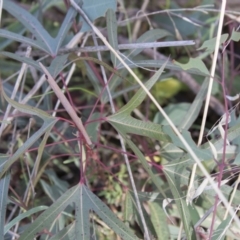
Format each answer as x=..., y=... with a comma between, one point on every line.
x=4, y=186
x=112, y=33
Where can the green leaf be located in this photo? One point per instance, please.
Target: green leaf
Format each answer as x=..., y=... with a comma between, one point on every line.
x=56, y=66
x=112, y=33
x=195, y=107
x=237, y=159
x=146, y=217
x=210, y=44
x=235, y=36
x=170, y=151
x=159, y=221
x=22, y=59
x=84, y=201
x=116, y=80
x=128, y=209
x=27, y=109
x=65, y=26
x=194, y=214
x=15, y=27
x=78, y=60
x=92, y=78
x=43, y=40
x=101, y=209
x=176, y=112
x=154, y=196
x=55, y=190
x=95, y=9
x=47, y=126
x=22, y=216
x=19, y=38
x=131, y=125
x=157, y=64
x=201, y=153
x=123, y=122
x=194, y=63
x=154, y=177
x=31, y=23
x=140, y=95
x=92, y=127
x=227, y=192
x=233, y=133
x=68, y=233
x=149, y=36
x=83, y=207
x=174, y=184
x=45, y=220
x=19, y=29
x=219, y=233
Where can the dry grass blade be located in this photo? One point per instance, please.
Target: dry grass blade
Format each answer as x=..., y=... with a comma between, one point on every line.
x=67, y=105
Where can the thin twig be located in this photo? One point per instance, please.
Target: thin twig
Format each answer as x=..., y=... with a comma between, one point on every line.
x=130, y=46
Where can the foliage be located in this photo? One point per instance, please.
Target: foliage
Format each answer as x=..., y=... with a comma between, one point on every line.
x=62, y=170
